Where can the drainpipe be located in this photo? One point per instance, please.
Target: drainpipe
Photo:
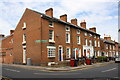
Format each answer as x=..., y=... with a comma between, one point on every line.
x=41, y=39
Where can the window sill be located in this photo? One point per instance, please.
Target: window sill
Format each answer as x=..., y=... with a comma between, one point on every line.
x=51, y=56
x=51, y=26
x=68, y=42
x=24, y=42
x=51, y=41
x=23, y=28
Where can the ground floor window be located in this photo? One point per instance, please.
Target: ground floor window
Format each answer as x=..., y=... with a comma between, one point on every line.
x=67, y=52
x=51, y=51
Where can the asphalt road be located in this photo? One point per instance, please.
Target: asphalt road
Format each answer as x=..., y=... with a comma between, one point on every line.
x=107, y=71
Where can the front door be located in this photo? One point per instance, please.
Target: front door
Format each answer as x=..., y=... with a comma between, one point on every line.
x=60, y=53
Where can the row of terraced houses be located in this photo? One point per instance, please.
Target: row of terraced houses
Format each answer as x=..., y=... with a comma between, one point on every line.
x=44, y=39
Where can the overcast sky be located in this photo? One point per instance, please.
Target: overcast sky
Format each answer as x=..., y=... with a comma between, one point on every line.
x=102, y=14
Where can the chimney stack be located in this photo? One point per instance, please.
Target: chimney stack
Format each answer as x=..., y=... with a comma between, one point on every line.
x=93, y=29
x=63, y=17
x=11, y=31
x=74, y=21
x=107, y=38
x=49, y=12
x=83, y=24
x=2, y=36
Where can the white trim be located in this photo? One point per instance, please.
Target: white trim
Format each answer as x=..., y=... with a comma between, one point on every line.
x=52, y=24
x=61, y=53
x=69, y=52
x=78, y=37
x=24, y=25
x=51, y=47
x=67, y=27
x=78, y=31
x=68, y=37
x=52, y=40
x=24, y=55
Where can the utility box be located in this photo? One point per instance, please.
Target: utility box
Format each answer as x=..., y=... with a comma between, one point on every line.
x=28, y=61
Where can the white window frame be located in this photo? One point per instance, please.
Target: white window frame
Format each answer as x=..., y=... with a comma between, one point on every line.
x=50, y=22
x=51, y=54
x=51, y=40
x=79, y=53
x=110, y=46
x=85, y=33
x=98, y=43
x=90, y=41
x=86, y=42
x=98, y=37
x=113, y=47
x=69, y=52
x=68, y=28
x=90, y=35
x=78, y=40
x=94, y=36
x=106, y=46
x=24, y=38
x=95, y=43
x=68, y=37
x=24, y=25
x=78, y=31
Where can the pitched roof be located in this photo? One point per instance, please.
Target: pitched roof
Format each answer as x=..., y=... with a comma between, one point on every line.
x=60, y=21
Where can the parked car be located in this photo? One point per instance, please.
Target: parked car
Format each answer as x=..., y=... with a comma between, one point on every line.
x=117, y=60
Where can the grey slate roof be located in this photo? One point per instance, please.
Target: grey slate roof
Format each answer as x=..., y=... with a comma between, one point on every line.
x=66, y=23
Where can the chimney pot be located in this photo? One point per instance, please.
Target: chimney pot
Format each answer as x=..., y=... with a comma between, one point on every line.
x=11, y=31
x=64, y=17
x=49, y=12
x=2, y=36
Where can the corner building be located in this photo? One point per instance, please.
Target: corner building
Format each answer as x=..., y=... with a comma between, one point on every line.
x=44, y=39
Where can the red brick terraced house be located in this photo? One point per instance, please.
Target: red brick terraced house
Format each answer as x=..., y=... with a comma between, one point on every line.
x=6, y=48
x=45, y=39
x=109, y=47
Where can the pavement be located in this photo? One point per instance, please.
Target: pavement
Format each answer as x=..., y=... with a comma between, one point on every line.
x=60, y=69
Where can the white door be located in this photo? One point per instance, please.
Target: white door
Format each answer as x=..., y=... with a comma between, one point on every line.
x=24, y=55
x=60, y=53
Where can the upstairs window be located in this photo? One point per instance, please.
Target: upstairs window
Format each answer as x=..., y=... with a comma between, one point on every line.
x=98, y=37
x=67, y=28
x=95, y=43
x=110, y=46
x=86, y=42
x=85, y=34
x=113, y=47
x=90, y=35
x=98, y=43
x=94, y=36
x=78, y=31
x=24, y=26
x=67, y=52
x=106, y=46
x=67, y=37
x=90, y=41
x=24, y=37
x=51, y=24
x=78, y=39
x=51, y=35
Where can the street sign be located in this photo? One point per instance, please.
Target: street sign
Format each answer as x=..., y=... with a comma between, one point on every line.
x=38, y=41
